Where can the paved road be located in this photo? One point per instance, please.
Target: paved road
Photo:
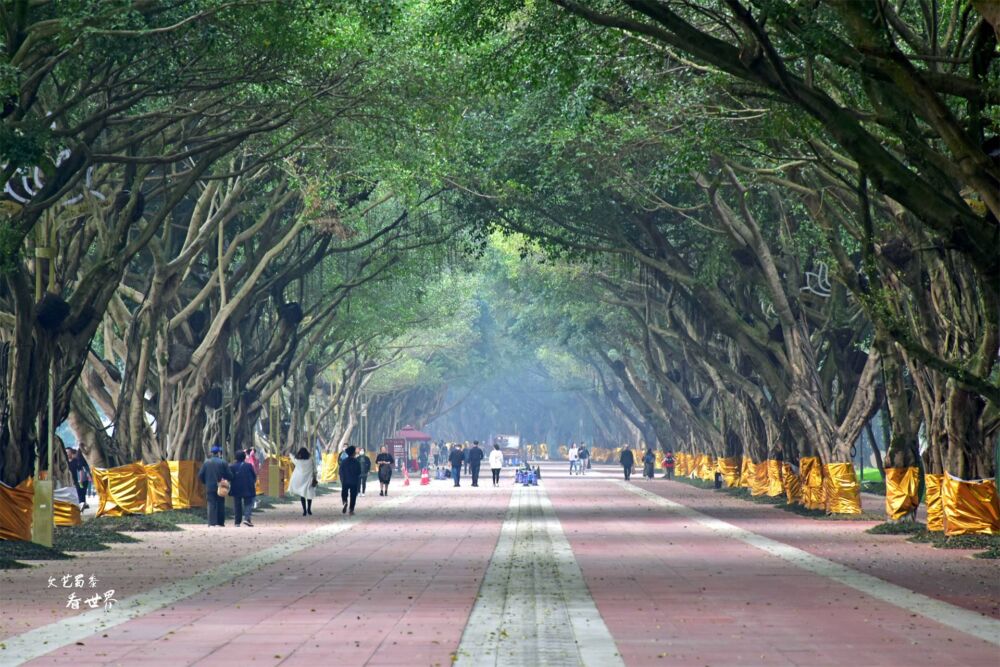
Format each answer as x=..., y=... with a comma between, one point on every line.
x=576, y=571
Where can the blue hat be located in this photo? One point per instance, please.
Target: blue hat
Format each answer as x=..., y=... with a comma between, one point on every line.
x=216, y=449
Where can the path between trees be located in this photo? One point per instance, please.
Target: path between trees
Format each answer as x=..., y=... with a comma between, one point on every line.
x=670, y=584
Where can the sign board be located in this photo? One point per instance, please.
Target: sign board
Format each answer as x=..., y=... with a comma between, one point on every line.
x=396, y=447
x=509, y=441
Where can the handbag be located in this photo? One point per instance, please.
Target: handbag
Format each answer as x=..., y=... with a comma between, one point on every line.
x=224, y=487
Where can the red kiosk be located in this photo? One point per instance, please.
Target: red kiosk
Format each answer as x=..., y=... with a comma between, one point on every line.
x=408, y=435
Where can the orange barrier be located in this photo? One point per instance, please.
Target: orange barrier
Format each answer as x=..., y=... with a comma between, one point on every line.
x=970, y=507
x=16, y=506
x=902, y=491
x=186, y=490
x=932, y=497
x=120, y=490
x=843, y=493
x=775, y=487
x=158, y=487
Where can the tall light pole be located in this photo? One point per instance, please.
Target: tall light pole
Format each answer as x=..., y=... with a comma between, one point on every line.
x=42, y=510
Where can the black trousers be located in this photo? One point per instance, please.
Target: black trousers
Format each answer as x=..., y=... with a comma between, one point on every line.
x=216, y=508
x=628, y=472
x=670, y=473
x=349, y=492
x=238, y=505
x=364, y=483
x=496, y=475
x=81, y=492
x=474, y=469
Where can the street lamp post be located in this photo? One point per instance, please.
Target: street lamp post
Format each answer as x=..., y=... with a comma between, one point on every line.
x=42, y=519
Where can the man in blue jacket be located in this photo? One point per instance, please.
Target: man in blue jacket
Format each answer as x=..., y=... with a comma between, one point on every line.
x=213, y=471
x=456, y=459
x=244, y=489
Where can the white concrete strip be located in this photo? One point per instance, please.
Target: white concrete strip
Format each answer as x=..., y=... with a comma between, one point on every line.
x=534, y=607
x=963, y=620
x=35, y=643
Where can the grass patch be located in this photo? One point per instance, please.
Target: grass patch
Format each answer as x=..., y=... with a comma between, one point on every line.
x=898, y=528
x=992, y=553
x=139, y=523
x=12, y=551
x=990, y=543
x=87, y=538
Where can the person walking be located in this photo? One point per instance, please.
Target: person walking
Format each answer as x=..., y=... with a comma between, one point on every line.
x=584, y=455
x=466, y=449
x=350, y=480
x=496, y=464
x=456, y=458
x=648, y=463
x=366, y=467
x=574, y=458
x=244, y=489
x=303, y=483
x=80, y=472
x=384, y=462
x=668, y=465
x=475, y=461
x=213, y=471
x=627, y=459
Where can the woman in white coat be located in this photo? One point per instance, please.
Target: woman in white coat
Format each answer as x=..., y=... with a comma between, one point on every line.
x=303, y=482
x=496, y=463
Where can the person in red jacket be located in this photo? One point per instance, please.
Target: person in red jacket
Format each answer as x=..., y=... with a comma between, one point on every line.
x=668, y=465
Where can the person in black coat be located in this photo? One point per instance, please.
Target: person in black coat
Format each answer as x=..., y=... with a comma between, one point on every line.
x=213, y=471
x=648, y=463
x=244, y=489
x=350, y=480
x=627, y=459
x=475, y=460
x=456, y=459
x=366, y=467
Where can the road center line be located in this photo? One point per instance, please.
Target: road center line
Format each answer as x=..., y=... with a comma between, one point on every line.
x=36, y=643
x=533, y=605
x=963, y=620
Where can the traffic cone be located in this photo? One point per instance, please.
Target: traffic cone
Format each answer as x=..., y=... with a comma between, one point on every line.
x=425, y=477
x=406, y=476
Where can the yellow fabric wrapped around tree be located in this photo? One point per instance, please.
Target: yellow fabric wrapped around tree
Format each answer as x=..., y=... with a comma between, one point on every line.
x=775, y=487
x=330, y=469
x=697, y=463
x=902, y=491
x=158, y=491
x=186, y=490
x=690, y=465
x=66, y=507
x=811, y=476
x=843, y=493
x=729, y=466
x=121, y=490
x=16, y=507
x=543, y=451
x=707, y=470
x=746, y=472
x=933, y=500
x=970, y=507
x=792, y=484
x=758, y=483
x=659, y=459
x=678, y=464
x=287, y=468
x=563, y=452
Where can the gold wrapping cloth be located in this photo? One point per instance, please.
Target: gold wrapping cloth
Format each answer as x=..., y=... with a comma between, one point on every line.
x=16, y=507
x=158, y=487
x=746, y=472
x=697, y=463
x=811, y=476
x=659, y=459
x=707, y=469
x=678, y=463
x=66, y=507
x=563, y=452
x=792, y=484
x=329, y=470
x=970, y=507
x=543, y=452
x=932, y=497
x=758, y=483
x=843, y=493
x=687, y=464
x=729, y=466
x=186, y=490
x=902, y=491
x=120, y=490
x=775, y=487
x=287, y=468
